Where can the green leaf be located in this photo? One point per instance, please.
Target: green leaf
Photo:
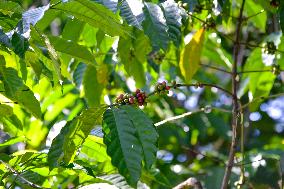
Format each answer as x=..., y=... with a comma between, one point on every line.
x=155, y=26
x=20, y=44
x=10, y=8
x=133, y=53
x=123, y=146
x=253, y=9
x=65, y=145
x=190, y=55
x=260, y=83
x=79, y=73
x=6, y=110
x=94, y=14
x=48, y=17
x=173, y=17
x=12, y=125
x=72, y=49
x=16, y=90
x=127, y=13
x=72, y=29
x=12, y=141
x=146, y=132
x=92, y=87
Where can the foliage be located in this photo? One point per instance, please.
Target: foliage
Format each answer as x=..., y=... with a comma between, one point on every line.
x=84, y=98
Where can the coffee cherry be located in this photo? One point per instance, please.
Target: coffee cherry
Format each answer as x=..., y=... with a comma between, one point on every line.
x=168, y=88
x=275, y=3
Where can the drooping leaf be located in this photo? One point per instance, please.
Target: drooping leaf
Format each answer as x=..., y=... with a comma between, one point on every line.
x=65, y=145
x=155, y=26
x=146, y=132
x=48, y=17
x=173, y=17
x=190, y=55
x=127, y=12
x=92, y=87
x=94, y=14
x=123, y=146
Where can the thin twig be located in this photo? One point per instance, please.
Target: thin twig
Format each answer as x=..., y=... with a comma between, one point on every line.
x=251, y=16
x=217, y=160
x=256, y=71
x=205, y=85
x=189, y=183
x=216, y=68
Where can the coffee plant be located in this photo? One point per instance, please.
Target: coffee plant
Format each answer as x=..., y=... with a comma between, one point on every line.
x=142, y=94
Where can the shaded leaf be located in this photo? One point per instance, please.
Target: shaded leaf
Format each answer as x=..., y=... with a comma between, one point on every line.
x=20, y=44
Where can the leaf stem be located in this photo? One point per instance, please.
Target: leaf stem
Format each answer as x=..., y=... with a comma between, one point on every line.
x=216, y=68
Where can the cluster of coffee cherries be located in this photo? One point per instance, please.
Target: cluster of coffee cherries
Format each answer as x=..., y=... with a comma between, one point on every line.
x=275, y=3
x=162, y=88
x=137, y=98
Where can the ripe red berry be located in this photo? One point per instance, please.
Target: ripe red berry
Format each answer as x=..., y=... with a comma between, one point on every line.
x=137, y=90
x=131, y=100
x=168, y=87
x=120, y=96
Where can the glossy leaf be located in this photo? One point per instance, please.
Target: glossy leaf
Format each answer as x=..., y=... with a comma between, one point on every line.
x=155, y=26
x=127, y=12
x=146, y=132
x=123, y=146
x=190, y=55
x=173, y=17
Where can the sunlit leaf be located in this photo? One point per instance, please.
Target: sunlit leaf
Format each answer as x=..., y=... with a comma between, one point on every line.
x=94, y=14
x=190, y=55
